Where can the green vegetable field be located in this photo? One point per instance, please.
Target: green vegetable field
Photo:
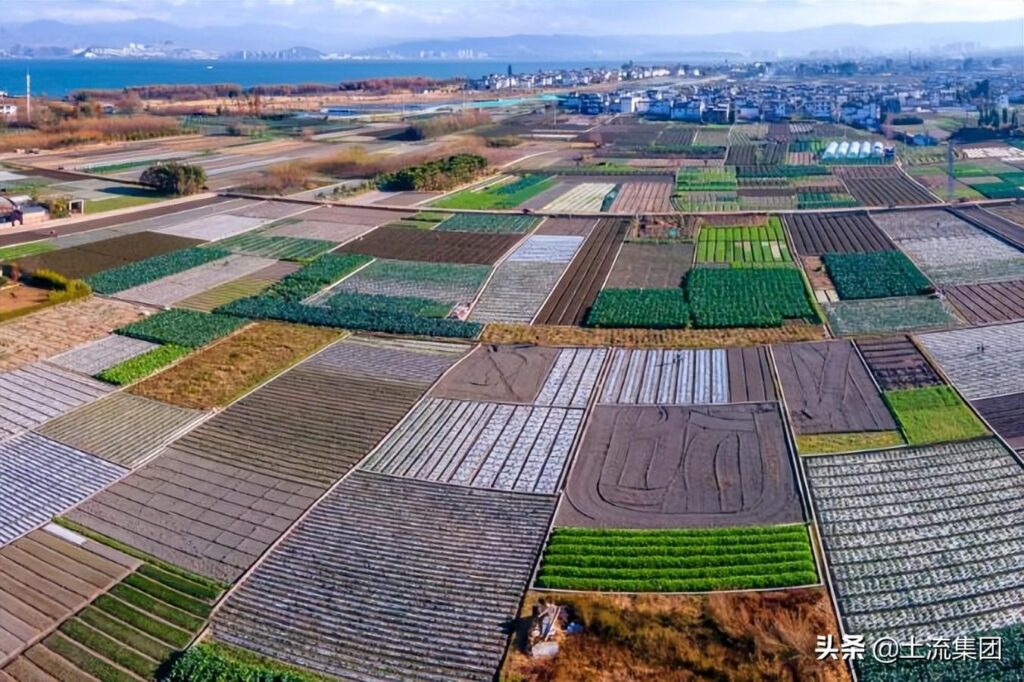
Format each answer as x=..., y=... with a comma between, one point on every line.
x=188, y=328
x=747, y=297
x=933, y=415
x=502, y=196
x=677, y=560
x=133, y=369
x=132, y=275
x=650, y=308
x=318, y=274
x=743, y=244
x=879, y=274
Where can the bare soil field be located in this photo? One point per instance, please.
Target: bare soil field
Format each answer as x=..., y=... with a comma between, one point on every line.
x=883, y=187
x=60, y=328
x=216, y=375
x=1005, y=222
x=828, y=389
x=80, y=261
x=19, y=297
x=504, y=374
x=650, y=266
x=817, y=233
x=992, y=302
x=677, y=467
x=648, y=338
x=681, y=638
x=643, y=197
x=579, y=286
x=399, y=243
x=897, y=363
x=349, y=592
x=1005, y=414
x=567, y=227
x=45, y=578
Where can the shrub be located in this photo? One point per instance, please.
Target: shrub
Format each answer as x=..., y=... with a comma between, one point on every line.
x=172, y=177
x=187, y=328
x=651, y=308
x=133, y=369
x=440, y=174
x=875, y=275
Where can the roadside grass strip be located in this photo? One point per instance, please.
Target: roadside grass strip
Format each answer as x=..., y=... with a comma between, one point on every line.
x=22, y=250
x=648, y=308
x=280, y=248
x=140, y=366
x=151, y=269
x=210, y=660
x=474, y=222
x=827, y=443
x=677, y=560
x=216, y=375
x=880, y=274
x=138, y=625
x=498, y=196
x=765, y=244
x=182, y=328
x=933, y=415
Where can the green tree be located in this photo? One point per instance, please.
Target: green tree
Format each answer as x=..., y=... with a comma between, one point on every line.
x=175, y=178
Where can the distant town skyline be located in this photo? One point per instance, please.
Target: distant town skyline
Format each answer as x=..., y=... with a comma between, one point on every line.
x=378, y=22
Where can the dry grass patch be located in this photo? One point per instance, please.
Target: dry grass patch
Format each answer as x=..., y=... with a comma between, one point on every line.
x=542, y=335
x=215, y=376
x=827, y=443
x=743, y=637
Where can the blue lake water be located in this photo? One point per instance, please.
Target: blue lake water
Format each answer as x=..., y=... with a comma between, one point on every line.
x=57, y=77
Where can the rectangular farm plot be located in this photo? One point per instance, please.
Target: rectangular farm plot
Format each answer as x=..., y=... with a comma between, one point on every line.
x=546, y=249
x=447, y=283
x=60, y=328
x=643, y=197
x=828, y=389
x=416, y=363
x=815, y=234
x=506, y=374
x=211, y=228
x=870, y=317
x=349, y=591
x=516, y=291
x=81, y=261
x=319, y=230
x=243, y=287
x=978, y=361
x=923, y=541
x=276, y=246
x=688, y=377
x=897, y=363
x=585, y=197
x=520, y=448
x=650, y=266
x=206, y=516
x=678, y=560
x=39, y=392
x=682, y=467
x=743, y=244
x=121, y=428
x=879, y=274
x=93, y=358
x=402, y=243
x=42, y=478
x=933, y=414
x=1005, y=414
x=45, y=577
x=173, y=288
x=993, y=302
x=498, y=222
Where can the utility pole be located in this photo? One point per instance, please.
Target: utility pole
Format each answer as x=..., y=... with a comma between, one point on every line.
x=28, y=97
x=950, y=181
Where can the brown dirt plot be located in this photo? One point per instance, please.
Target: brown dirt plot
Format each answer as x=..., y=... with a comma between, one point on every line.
x=511, y=374
x=650, y=266
x=81, y=261
x=550, y=335
x=221, y=372
x=897, y=363
x=672, y=467
x=401, y=243
x=817, y=233
x=991, y=302
x=1005, y=414
x=743, y=637
x=828, y=389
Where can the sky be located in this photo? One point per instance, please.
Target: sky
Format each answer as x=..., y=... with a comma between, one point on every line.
x=384, y=21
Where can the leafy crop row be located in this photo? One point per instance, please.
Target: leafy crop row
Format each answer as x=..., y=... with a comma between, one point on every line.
x=747, y=297
x=651, y=308
x=133, y=369
x=144, y=271
x=215, y=662
x=474, y=222
x=780, y=171
x=187, y=328
x=281, y=248
x=357, y=318
x=386, y=305
x=743, y=244
x=875, y=275
x=500, y=196
x=677, y=560
x=814, y=200
x=934, y=414
x=313, y=277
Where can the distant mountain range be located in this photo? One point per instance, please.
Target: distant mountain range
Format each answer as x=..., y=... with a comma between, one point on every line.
x=43, y=38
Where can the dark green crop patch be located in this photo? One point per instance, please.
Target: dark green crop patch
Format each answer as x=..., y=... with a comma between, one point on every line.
x=649, y=308
x=875, y=275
